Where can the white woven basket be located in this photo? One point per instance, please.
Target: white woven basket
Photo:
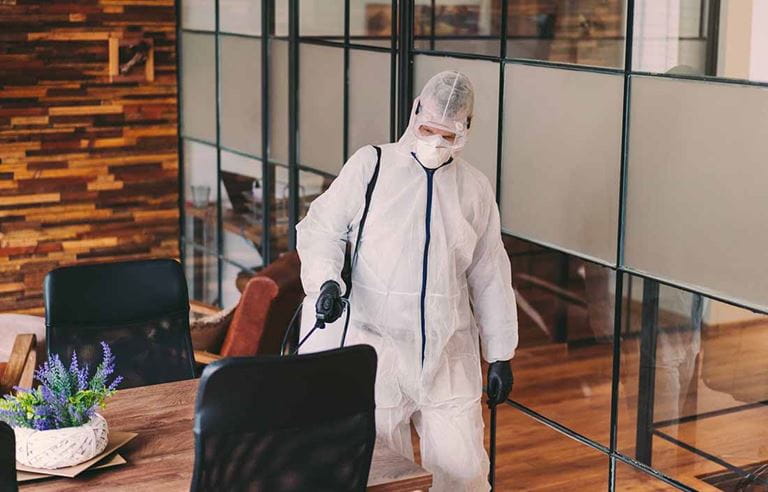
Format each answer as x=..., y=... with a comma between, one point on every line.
x=57, y=448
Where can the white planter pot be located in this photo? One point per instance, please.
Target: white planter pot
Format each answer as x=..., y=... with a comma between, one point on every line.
x=57, y=448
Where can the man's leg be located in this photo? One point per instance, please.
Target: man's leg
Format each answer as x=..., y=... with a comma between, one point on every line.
x=393, y=428
x=452, y=446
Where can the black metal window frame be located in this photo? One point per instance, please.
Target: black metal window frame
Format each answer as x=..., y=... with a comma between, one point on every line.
x=402, y=53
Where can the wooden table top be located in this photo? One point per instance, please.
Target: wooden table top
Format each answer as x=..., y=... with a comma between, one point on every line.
x=162, y=456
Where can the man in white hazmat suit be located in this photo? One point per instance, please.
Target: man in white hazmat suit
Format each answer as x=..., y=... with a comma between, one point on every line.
x=429, y=257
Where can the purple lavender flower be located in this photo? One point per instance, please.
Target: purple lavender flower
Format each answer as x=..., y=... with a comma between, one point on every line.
x=66, y=397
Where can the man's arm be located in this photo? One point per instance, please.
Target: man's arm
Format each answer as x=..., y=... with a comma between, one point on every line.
x=490, y=286
x=322, y=234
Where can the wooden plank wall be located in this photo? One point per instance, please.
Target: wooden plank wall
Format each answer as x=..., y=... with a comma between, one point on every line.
x=88, y=164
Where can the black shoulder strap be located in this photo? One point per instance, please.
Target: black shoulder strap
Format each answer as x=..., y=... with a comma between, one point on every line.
x=368, y=195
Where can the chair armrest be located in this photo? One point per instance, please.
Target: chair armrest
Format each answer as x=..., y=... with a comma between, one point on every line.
x=202, y=308
x=205, y=358
x=21, y=364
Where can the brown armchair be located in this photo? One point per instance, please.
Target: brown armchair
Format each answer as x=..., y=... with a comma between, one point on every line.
x=257, y=323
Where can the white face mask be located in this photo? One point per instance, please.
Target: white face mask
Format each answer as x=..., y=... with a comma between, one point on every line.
x=430, y=155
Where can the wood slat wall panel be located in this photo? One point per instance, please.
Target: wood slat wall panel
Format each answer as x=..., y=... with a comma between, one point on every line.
x=88, y=164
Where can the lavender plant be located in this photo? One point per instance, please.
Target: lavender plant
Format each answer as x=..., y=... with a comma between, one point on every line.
x=66, y=397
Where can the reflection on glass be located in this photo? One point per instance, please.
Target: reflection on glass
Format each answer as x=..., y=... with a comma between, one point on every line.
x=201, y=269
x=630, y=479
x=565, y=309
x=584, y=32
x=200, y=206
x=536, y=457
x=370, y=22
x=723, y=38
x=468, y=27
x=693, y=386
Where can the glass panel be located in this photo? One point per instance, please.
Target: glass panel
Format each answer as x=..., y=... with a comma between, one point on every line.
x=202, y=271
x=531, y=456
x=725, y=38
x=693, y=386
x=630, y=479
x=240, y=16
x=242, y=211
x=467, y=27
x=278, y=103
x=322, y=18
x=586, y=32
x=563, y=364
x=696, y=189
x=370, y=22
x=241, y=197
x=199, y=167
x=280, y=208
x=481, y=145
x=369, y=101
x=198, y=86
x=241, y=94
x=562, y=158
x=200, y=221
x=321, y=121
x=311, y=185
x=198, y=14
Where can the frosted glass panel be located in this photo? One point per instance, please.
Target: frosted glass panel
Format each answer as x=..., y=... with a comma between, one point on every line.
x=323, y=18
x=278, y=103
x=240, y=16
x=369, y=98
x=562, y=158
x=198, y=14
x=696, y=192
x=481, y=146
x=321, y=122
x=241, y=94
x=198, y=81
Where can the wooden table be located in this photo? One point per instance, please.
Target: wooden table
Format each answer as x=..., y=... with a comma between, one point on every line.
x=161, y=457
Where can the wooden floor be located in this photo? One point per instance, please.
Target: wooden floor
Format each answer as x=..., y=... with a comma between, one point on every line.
x=572, y=385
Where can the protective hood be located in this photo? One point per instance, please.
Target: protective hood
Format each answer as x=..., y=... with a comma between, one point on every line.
x=446, y=102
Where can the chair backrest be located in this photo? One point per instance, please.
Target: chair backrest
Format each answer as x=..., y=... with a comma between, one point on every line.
x=7, y=459
x=139, y=308
x=268, y=302
x=295, y=423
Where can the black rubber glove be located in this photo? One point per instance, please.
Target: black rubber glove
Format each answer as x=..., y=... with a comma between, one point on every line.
x=329, y=306
x=500, y=381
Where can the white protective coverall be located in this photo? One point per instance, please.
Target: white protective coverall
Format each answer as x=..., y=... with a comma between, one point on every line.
x=430, y=254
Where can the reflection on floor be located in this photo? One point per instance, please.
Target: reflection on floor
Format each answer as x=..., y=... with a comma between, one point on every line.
x=572, y=385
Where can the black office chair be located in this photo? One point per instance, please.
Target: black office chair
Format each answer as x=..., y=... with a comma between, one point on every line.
x=139, y=308
x=7, y=459
x=286, y=424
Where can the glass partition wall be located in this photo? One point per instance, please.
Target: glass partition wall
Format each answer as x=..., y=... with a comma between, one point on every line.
x=626, y=143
